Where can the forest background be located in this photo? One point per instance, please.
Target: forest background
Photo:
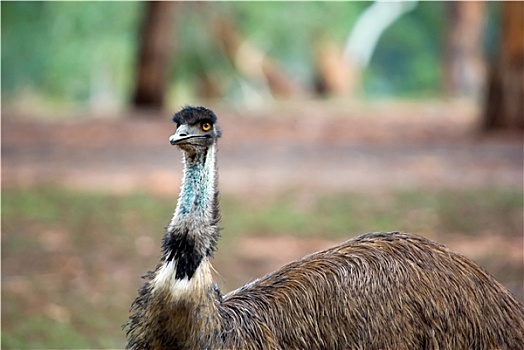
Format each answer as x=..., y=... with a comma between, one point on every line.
x=339, y=118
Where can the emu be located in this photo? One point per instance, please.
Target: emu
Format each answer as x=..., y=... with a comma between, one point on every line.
x=377, y=291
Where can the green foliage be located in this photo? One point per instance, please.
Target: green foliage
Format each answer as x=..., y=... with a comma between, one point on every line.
x=67, y=51
x=24, y=37
x=288, y=31
x=62, y=48
x=408, y=57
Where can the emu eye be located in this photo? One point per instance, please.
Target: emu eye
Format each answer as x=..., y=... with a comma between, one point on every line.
x=206, y=126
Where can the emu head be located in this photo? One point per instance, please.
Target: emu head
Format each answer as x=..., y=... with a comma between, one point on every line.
x=196, y=129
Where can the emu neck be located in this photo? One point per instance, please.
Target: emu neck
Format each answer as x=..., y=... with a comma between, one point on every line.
x=193, y=231
x=183, y=286
x=198, y=187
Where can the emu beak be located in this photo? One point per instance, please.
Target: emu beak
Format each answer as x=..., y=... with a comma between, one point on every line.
x=181, y=134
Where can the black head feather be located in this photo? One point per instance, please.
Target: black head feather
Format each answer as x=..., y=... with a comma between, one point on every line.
x=192, y=115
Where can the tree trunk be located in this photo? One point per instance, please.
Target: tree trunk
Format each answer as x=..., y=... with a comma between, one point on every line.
x=504, y=106
x=464, y=66
x=154, y=55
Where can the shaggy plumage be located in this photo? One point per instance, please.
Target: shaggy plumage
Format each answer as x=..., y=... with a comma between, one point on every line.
x=377, y=291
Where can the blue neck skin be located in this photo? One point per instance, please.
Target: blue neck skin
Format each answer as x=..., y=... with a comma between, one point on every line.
x=198, y=186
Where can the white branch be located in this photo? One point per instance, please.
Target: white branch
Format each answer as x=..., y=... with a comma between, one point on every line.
x=369, y=27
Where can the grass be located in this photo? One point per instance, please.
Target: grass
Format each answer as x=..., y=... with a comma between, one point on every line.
x=468, y=212
x=71, y=260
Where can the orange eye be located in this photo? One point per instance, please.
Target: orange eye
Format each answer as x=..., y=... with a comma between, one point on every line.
x=206, y=126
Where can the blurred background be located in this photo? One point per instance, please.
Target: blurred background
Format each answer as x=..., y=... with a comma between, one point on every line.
x=338, y=118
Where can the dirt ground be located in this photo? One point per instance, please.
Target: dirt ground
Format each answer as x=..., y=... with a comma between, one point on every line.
x=318, y=146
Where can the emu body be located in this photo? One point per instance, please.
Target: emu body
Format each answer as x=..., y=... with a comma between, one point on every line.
x=377, y=291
